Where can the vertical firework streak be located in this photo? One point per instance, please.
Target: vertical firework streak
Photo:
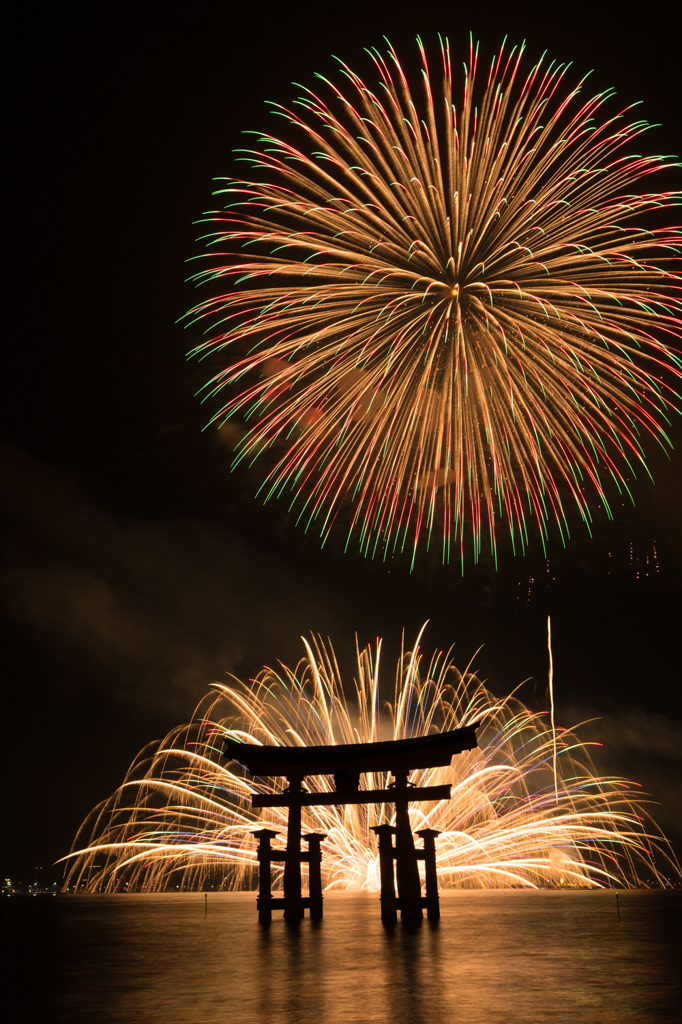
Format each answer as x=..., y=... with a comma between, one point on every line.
x=436, y=318
x=183, y=818
x=551, y=703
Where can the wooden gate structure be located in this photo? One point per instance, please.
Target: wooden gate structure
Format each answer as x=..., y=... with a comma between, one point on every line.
x=398, y=860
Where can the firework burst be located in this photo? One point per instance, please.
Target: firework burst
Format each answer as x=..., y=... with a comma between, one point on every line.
x=527, y=808
x=442, y=323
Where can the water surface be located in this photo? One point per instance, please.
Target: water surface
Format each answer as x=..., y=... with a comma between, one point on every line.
x=512, y=957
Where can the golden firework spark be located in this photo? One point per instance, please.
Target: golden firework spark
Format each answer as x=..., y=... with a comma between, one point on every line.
x=444, y=321
x=527, y=808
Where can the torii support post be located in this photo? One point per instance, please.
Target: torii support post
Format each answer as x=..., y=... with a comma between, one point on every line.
x=264, y=903
x=431, y=875
x=386, y=856
x=314, y=857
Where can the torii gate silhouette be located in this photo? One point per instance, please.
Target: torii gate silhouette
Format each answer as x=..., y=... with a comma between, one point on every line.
x=346, y=763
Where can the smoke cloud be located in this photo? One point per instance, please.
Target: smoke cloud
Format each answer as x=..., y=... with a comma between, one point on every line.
x=153, y=612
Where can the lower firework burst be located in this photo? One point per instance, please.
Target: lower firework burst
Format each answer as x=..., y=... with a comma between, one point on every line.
x=440, y=318
x=526, y=810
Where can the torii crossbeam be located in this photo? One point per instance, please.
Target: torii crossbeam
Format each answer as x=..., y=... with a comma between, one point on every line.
x=346, y=763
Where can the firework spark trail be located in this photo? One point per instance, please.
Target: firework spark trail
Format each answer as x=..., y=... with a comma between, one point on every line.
x=551, y=703
x=445, y=317
x=183, y=818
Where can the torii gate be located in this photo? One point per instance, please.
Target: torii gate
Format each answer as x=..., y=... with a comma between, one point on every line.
x=347, y=762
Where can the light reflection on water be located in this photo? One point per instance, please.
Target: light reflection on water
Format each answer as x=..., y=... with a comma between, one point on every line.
x=507, y=957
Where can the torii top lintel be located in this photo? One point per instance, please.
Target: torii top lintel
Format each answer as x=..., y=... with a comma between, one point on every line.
x=431, y=751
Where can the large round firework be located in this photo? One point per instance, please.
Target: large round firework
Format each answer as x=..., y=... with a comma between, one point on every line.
x=527, y=808
x=445, y=320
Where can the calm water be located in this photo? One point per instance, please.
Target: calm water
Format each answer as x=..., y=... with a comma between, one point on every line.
x=495, y=957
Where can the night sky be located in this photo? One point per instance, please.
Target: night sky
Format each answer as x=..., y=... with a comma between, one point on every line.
x=136, y=569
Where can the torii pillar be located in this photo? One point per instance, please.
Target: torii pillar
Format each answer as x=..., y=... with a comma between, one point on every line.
x=293, y=900
x=385, y=833
x=406, y=868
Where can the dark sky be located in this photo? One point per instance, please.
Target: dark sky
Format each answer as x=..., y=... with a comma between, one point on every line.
x=135, y=568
